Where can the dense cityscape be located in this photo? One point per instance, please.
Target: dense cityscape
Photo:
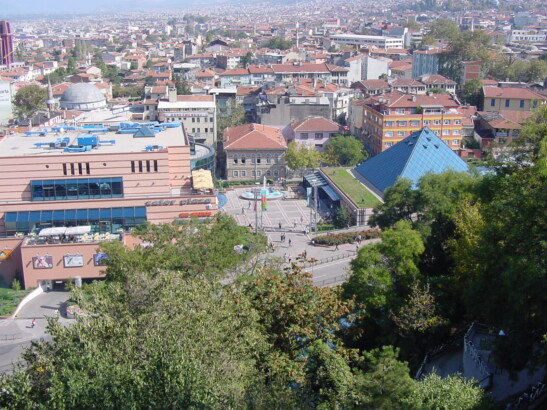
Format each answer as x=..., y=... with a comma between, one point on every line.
x=277, y=204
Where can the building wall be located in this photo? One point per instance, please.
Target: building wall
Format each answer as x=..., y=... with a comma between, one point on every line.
x=374, y=68
x=251, y=169
x=195, y=122
x=384, y=131
x=424, y=64
x=498, y=104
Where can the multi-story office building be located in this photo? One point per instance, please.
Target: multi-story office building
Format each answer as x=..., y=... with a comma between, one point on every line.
x=391, y=117
x=425, y=62
x=6, y=43
x=62, y=194
x=196, y=112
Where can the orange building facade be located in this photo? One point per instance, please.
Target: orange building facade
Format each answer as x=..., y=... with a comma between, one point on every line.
x=63, y=193
x=391, y=117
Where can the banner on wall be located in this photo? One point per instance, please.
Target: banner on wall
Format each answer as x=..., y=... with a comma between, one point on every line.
x=99, y=259
x=264, y=199
x=42, y=262
x=5, y=254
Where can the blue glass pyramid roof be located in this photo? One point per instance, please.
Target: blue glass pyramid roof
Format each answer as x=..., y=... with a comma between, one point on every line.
x=421, y=152
x=144, y=132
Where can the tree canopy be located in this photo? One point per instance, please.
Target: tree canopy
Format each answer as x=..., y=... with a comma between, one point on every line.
x=28, y=100
x=278, y=43
x=301, y=156
x=344, y=150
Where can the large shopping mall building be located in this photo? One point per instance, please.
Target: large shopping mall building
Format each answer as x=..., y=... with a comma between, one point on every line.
x=64, y=190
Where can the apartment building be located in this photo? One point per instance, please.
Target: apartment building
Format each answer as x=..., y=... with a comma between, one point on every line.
x=425, y=62
x=391, y=117
x=383, y=42
x=510, y=98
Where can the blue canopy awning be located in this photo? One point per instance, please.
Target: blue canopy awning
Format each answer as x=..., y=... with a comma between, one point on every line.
x=330, y=192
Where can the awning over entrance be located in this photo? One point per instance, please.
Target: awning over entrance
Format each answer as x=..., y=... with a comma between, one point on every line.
x=330, y=192
x=315, y=179
x=58, y=230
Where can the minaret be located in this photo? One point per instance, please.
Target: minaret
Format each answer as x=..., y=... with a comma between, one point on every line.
x=297, y=37
x=51, y=102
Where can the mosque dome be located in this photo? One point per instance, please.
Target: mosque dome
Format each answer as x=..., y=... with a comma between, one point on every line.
x=82, y=97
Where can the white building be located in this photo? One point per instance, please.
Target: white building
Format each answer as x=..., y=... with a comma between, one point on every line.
x=383, y=42
x=196, y=112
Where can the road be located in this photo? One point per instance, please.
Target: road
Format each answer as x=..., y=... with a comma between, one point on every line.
x=17, y=333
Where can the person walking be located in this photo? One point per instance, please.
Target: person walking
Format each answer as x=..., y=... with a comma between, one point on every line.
x=279, y=225
x=336, y=247
x=290, y=241
x=249, y=206
x=301, y=219
x=242, y=211
x=33, y=323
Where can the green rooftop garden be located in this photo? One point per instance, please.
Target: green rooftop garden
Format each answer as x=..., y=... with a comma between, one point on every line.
x=352, y=187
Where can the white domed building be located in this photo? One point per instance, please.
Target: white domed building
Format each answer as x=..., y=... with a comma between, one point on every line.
x=82, y=97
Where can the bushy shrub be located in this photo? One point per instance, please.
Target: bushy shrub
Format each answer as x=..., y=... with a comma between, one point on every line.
x=346, y=237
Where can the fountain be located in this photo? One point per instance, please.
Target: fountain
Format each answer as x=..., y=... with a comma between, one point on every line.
x=256, y=193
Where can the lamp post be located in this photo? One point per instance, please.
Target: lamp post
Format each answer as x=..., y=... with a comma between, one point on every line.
x=256, y=193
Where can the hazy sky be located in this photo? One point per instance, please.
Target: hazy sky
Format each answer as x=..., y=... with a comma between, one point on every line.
x=10, y=7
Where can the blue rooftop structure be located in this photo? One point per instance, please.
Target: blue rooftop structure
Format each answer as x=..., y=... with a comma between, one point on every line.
x=416, y=155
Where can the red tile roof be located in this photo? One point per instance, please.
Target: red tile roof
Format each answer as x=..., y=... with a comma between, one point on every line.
x=512, y=93
x=253, y=137
x=302, y=68
x=372, y=84
x=315, y=124
x=235, y=71
x=436, y=79
x=397, y=99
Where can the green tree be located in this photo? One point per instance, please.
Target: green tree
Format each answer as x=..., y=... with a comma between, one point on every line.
x=300, y=156
x=56, y=77
x=71, y=66
x=452, y=392
x=182, y=86
x=28, y=100
x=278, y=43
x=471, y=92
x=444, y=29
x=344, y=150
x=133, y=66
x=247, y=59
x=234, y=116
x=342, y=218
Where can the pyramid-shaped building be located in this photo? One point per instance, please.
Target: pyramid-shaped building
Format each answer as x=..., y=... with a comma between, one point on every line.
x=416, y=155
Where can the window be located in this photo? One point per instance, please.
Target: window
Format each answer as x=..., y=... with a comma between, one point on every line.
x=64, y=169
x=235, y=158
x=534, y=104
x=388, y=144
x=436, y=132
x=492, y=102
x=235, y=174
x=258, y=158
x=427, y=122
x=455, y=132
x=72, y=169
x=401, y=123
x=388, y=134
x=415, y=123
x=140, y=166
x=318, y=135
x=304, y=135
x=437, y=122
x=455, y=142
x=243, y=173
x=268, y=173
x=80, y=168
x=100, y=219
x=446, y=132
x=252, y=158
x=206, y=129
x=446, y=122
x=390, y=123
x=507, y=102
x=401, y=133
x=155, y=165
x=132, y=166
x=147, y=166
x=243, y=159
x=193, y=119
x=258, y=173
x=193, y=130
x=457, y=122
x=521, y=104
x=276, y=173
x=400, y=111
x=63, y=189
x=268, y=159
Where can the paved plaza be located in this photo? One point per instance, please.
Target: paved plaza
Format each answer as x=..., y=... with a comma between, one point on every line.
x=294, y=217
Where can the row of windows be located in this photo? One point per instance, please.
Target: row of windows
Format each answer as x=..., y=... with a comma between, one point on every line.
x=63, y=189
x=100, y=219
x=389, y=134
x=194, y=130
x=253, y=158
x=454, y=143
x=508, y=103
x=257, y=173
x=205, y=119
x=318, y=135
x=144, y=166
x=74, y=168
x=416, y=123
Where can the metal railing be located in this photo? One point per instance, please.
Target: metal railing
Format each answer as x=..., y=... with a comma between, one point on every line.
x=344, y=255
x=470, y=350
x=531, y=396
x=331, y=281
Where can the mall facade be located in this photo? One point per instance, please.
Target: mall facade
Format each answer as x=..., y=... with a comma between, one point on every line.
x=64, y=191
